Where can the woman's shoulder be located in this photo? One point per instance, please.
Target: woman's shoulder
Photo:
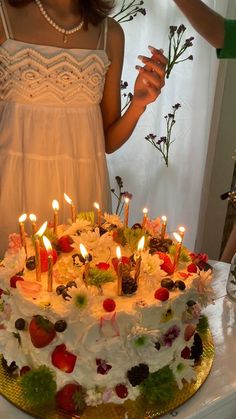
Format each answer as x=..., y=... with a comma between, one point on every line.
x=114, y=28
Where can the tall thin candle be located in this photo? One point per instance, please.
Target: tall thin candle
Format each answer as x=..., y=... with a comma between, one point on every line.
x=48, y=246
x=37, y=236
x=72, y=206
x=55, y=206
x=22, y=231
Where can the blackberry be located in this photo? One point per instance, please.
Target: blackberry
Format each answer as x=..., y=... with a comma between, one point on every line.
x=60, y=289
x=191, y=303
x=129, y=286
x=138, y=374
x=30, y=263
x=180, y=284
x=197, y=348
x=168, y=283
x=60, y=326
x=20, y=324
x=10, y=369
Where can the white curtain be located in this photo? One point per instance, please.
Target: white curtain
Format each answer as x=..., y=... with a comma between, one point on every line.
x=174, y=191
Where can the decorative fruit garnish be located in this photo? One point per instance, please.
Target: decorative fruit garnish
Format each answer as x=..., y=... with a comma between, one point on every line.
x=121, y=391
x=129, y=286
x=161, y=294
x=109, y=305
x=180, y=285
x=30, y=263
x=24, y=370
x=103, y=266
x=192, y=268
x=41, y=331
x=63, y=359
x=189, y=331
x=44, y=258
x=102, y=367
x=167, y=265
x=70, y=398
x=138, y=374
x=124, y=260
x=186, y=352
x=20, y=324
x=168, y=283
x=14, y=280
x=64, y=244
x=60, y=326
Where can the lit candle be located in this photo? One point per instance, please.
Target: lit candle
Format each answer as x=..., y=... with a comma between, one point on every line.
x=139, y=259
x=126, y=212
x=119, y=271
x=37, y=236
x=72, y=206
x=99, y=213
x=163, y=226
x=22, y=231
x=179, y=239
x=85, y=255
x=145, y=217
x=48, y=246
x=33, y=220
x=55, y=206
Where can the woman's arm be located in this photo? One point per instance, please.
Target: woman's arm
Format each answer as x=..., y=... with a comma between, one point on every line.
x=206, y=21
x=147, y=88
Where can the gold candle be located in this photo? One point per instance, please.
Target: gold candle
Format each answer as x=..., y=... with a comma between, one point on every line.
x=33, y=220
x=119, y=271
x=145, y=217
x=37, y=236
x=22, y=231
x=163, y=226
x=72, y=207
x=55, y=206
x=48, y=246
x=126, y=216
x=178, y=238
x=139, y=259
x=85, y=255
x=99, y=214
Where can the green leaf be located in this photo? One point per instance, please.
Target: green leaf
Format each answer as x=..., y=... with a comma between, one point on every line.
x=98, y=277
x=39, y=386
x=203, y=324
x=132, y=237
x=86, y=216
x=160, y=386
x=184, y=255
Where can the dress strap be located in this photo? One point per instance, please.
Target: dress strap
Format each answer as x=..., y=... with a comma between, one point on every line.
x=102, y=41
x=5, y=20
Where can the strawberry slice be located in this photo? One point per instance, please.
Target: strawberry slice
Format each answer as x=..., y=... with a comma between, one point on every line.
x=167, y=265
x=41, y=331
x=14, y=280
x=63, y=359
x=64, y=244
x=44, y=258
x=70, y=398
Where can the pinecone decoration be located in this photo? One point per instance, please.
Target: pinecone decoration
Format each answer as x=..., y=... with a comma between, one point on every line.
x=138, y=374
x=156, y=244
x=129, y=285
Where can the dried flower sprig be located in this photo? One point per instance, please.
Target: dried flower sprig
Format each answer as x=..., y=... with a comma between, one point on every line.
x=120, y=195
x=163, y=144
x=126, y=96
x=129, y=11
x=177, y=47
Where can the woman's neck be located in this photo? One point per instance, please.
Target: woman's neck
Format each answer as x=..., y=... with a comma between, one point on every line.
x=62, y=7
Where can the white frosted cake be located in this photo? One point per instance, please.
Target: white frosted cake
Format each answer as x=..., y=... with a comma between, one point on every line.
x=95, y=338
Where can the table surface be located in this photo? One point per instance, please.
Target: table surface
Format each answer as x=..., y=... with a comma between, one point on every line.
x=217, y=397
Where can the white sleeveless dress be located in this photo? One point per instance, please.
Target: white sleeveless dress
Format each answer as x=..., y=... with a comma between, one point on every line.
x=51, y=130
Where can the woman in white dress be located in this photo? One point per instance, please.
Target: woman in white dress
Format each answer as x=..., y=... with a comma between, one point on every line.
x=60, y=111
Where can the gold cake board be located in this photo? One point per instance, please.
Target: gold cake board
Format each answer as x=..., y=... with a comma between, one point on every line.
x=11, y=390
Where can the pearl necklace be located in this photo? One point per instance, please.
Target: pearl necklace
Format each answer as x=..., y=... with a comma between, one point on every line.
x=64, y=31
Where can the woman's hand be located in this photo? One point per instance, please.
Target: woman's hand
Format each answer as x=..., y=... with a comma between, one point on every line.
x=151, y=78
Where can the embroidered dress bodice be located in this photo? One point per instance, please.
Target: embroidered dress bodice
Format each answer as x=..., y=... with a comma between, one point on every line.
x=51, y=131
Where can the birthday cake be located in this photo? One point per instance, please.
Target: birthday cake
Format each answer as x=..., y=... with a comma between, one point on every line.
x=98, y=318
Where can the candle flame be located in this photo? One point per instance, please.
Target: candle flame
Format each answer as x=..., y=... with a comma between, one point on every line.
x=67, y=198
x=145, y=210
x=55, y=205
x=42, y=229
x=164, y=218
x=141, y=243
x=22, y=218
x=177, y=237
x=96, y=205
x=83, y=251
x=126, y=200
x=47, y=244
x=182, y=229
x=118, y=252
x=33, y=218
